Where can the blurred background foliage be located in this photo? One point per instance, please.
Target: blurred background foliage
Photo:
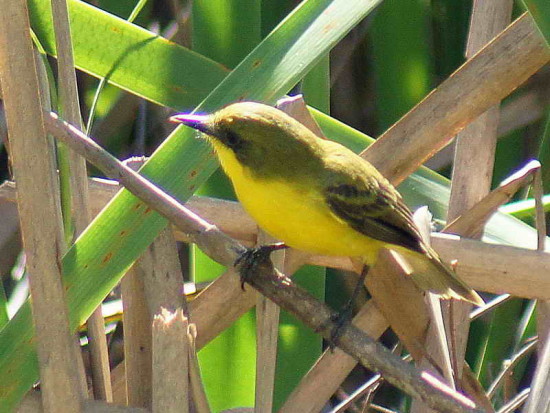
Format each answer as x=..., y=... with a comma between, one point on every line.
x=380, y=70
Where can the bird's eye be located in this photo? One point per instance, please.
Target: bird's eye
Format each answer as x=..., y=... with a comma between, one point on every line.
x=232, y=139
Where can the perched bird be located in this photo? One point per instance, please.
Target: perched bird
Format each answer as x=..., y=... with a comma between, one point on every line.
x=316, y=195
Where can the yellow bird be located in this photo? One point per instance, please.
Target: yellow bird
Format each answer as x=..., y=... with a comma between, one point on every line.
x=316, y=195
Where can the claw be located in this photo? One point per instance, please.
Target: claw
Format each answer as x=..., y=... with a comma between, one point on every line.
x=345, y=314
x=253, y=258
x=340, y=319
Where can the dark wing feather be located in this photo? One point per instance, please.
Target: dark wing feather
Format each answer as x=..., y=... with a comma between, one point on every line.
x=375, y=209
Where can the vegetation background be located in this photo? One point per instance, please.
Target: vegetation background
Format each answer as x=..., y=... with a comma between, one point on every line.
x=130, y=80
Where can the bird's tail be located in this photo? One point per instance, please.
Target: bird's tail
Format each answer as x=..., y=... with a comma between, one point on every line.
x=431, y=274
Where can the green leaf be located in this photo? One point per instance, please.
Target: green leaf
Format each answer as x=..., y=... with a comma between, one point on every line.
x=525, y=209
x=540, y=10
x=131, y=57
x=403, y=71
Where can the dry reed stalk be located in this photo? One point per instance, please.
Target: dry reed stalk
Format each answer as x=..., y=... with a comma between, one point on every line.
x=153, y=283
x=162, y=278
x=521, y=111
x=400, y=301
x=509, y=365
x=516, y=113
x=543, y=307
x=473, y=222
x=267, y=331
x=200, y=401
x=210, y=311
x=516, y=402
x=32, y=404
x=478, y=84
x=497, y=269
x=137, y=339
x=39, y=210
x=471, y=386
x=170, y=362
x=159, y=281
x=118, y=380
x=80, y=210
x=538, y=399
x=473, y=166
x=137, y=318
x=412, y=314
x=99, y=357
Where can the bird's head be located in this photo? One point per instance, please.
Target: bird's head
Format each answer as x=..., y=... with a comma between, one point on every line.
x=261, y=137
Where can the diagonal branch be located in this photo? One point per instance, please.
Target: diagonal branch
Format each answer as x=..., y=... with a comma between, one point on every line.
x=478, y=84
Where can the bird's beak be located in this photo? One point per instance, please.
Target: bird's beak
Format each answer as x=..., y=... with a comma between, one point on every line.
x=198, y=122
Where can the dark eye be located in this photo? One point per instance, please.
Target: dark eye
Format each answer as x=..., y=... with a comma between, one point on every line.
x=232, y=139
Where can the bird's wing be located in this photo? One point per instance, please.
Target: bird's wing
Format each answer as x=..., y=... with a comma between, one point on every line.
x=375, y=209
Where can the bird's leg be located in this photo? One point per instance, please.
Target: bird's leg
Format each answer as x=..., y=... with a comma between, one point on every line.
x=248, y=262
x=345, y=313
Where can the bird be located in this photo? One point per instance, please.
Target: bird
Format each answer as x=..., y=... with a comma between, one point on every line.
x=318, y=196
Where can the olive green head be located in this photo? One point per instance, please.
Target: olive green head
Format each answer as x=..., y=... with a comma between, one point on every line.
x=263, y=138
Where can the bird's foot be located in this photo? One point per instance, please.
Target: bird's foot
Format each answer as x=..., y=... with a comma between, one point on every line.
x=253, y=258
x=340, y=319
x=346, y=312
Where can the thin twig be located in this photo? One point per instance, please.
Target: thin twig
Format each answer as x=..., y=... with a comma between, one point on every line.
x=220, y=246
x=509, y=364
x=379, y=408
x=516, y=402
x=491, y=305
x=369, y=387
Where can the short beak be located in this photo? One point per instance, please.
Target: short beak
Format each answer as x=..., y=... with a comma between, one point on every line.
x=198, y=122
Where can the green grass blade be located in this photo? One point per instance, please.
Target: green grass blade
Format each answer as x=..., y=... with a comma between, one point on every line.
x=540, y=10
x=103, y=81
x=544, y=154
x=3, y=307
x=401, y=60
x=131, y=57
x=525, y=209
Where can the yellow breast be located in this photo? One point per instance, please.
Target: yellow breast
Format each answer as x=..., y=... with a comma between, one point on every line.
x=295, y=214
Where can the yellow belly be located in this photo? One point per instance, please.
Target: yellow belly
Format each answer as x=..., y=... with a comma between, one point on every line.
x=297, y=215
